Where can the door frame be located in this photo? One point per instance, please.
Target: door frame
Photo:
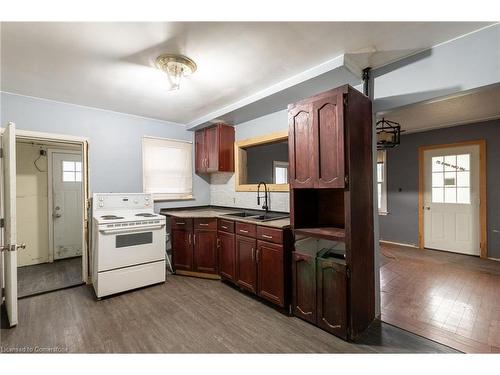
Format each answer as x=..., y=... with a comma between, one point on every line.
x=50, y=200
x=483, y=242
x=83, y=142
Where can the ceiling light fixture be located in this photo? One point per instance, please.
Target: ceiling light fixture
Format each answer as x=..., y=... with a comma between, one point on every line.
x=176, y=67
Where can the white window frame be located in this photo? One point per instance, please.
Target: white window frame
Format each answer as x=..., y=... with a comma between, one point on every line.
x=280, y=164
x=382, y=159
x=186, y=194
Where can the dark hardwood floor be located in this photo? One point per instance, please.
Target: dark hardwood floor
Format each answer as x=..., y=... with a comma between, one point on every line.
x=451, y=298
x=185, y=315
x=49, y=276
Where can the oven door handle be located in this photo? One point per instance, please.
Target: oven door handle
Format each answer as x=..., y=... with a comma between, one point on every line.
x=130, y=230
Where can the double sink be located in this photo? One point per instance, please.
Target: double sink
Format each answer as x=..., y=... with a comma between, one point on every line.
x=258, y=215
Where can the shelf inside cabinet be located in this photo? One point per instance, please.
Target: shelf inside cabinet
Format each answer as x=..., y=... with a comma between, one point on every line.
x=331, y=233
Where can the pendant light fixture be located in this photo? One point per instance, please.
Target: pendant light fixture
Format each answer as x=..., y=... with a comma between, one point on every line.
x=176, y=67
x=388, y=134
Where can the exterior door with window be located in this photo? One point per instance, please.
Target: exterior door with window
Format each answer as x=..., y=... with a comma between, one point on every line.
x=67, y=204
x=451, y=199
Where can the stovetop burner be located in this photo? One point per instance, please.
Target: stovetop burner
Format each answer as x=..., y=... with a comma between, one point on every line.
x=111, y=217
x=146, y=214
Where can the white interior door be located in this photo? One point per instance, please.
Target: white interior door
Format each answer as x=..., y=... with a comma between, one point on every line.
x=67, y=204
x=451, y=199
x=9, y=246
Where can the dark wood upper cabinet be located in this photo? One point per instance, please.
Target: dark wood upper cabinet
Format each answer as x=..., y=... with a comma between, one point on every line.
x=301, y=147
x=332, y=297
x=316, y=141
x=329, y=138
x=214, y=149
x=270, y=272
x=304, y=286
x=182, y=245
x=205, y=251
x=246, y=267
x=227, y=254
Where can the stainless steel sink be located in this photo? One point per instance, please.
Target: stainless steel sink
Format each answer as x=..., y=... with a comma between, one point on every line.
x=258, y=216
x=243, y=214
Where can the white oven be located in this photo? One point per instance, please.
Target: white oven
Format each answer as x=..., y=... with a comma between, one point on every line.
x=128, y=243
x=123, y=246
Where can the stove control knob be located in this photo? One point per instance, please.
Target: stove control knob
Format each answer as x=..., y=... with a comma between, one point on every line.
x=147, y=203
x=146, y=198
x=101, y=204
x=101, y=199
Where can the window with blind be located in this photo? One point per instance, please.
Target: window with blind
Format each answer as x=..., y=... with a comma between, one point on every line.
x=382, y=181
x=167, y=168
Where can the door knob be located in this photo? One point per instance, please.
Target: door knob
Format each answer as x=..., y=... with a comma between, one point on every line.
x=427, y=207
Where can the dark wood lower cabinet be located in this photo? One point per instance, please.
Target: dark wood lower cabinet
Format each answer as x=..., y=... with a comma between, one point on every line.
x=331, y=287
x=205, y=251
x=227, y=255
x=304, y=286
x=270, y=270
x=182, y=245
x=246, y=267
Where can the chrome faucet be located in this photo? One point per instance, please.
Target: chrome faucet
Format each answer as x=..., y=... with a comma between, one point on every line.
x=265, y=206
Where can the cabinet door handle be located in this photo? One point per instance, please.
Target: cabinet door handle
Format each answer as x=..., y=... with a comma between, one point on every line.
x=223, y=227
x=203, y=225
x=218, y=243
x=189, y=238
x=257, y=258
x=181, y=223
x=253, y=255
x=303, y=312
x=194, y=239
x=243, y=231
x=330, y=325
x=266, y=236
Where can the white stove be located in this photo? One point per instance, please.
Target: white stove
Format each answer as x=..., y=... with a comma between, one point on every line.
x=128, y=243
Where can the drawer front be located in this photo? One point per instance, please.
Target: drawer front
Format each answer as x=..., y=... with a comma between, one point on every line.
x=225, y=225
x=245, y=229
x=205, y=223
x=182, y=223
x=270, y=234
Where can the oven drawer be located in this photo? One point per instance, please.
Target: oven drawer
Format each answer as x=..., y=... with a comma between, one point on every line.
x=246, y=229
x=270, y=234
x=226, y=225
x=205, y=223
x=180, y=223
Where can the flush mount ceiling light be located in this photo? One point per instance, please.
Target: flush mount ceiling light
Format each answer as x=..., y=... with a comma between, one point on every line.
x=176, y=67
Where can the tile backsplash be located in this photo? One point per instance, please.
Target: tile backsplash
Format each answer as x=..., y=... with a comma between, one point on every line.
x=222, y=193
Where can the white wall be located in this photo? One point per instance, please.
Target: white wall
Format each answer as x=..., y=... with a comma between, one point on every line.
x=32, y=211
x=222, y=185
x=114, y=141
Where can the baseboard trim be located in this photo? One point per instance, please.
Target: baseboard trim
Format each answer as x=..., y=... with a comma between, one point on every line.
x=400, y=244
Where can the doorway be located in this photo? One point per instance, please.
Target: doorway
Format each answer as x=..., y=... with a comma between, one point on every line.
x=452, y=198
x=49, y=199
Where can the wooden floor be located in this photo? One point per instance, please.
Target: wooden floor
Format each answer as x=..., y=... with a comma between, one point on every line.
x=49, y=276
x=185, y=315
x=451, y=298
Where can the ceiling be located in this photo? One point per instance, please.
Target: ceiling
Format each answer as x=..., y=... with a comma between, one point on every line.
x=467, y=107
x=110, y=65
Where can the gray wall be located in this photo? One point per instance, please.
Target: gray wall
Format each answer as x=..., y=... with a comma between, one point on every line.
x=115, y=141
x=260, y=161
x=401, y=224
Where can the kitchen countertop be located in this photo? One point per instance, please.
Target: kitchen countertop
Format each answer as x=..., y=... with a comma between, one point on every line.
x=220, y=214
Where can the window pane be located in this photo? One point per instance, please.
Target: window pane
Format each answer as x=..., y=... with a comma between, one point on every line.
x=437, y=195
x=450, y=163
x=68, y=166
x=380, y=172
x=463, y=179
x=68, y=176
x=437, y=163
x=78, y=166
x=78, y=176
x=280, y=175
x=379, y=195
x=450, y=179
x=463, y=195
x=463, y=162
x=450, y=195
x=438, y=179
